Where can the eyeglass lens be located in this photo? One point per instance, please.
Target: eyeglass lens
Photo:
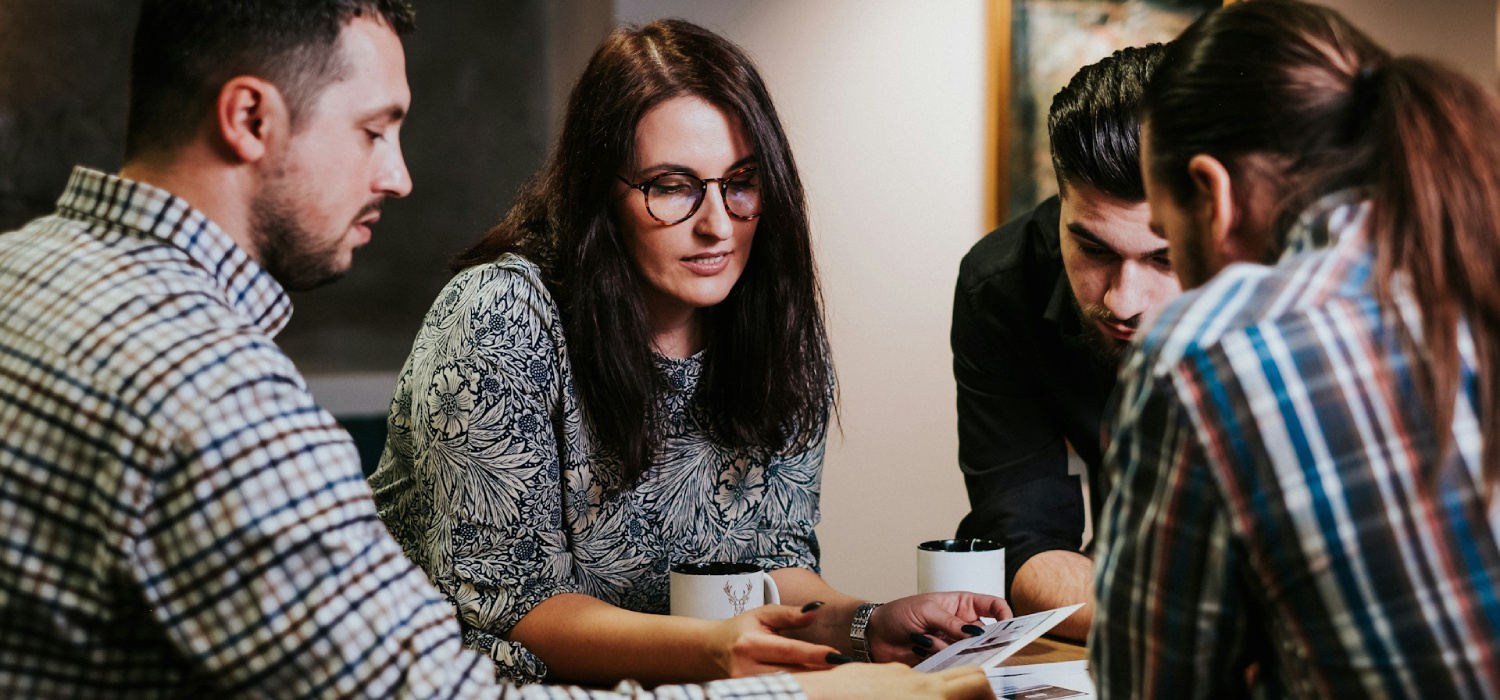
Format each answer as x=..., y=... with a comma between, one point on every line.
x=673, y=197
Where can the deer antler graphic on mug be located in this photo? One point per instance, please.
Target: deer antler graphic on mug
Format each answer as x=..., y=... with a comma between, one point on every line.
x=738, y=601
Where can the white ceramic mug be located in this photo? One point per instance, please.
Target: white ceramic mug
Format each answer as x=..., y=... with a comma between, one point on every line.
x=716, y=590
x=977, y=566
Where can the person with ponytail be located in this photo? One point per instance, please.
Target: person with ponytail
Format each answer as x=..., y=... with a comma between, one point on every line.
x=1305, y=447
x=631, y=372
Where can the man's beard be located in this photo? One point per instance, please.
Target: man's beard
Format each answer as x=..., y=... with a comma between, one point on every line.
x=1107, y=349
x=288, y=250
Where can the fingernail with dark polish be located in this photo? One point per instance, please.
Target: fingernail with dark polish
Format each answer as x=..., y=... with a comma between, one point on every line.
x=919, y=651
x=973, y=630
x=838, y=659
x=921, y=640
x=812, y=606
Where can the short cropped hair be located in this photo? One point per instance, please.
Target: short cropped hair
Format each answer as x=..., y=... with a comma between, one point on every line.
x=186, y=50
x=1095, y=123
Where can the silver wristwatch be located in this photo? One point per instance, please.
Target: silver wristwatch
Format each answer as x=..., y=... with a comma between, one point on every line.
x=857, y=630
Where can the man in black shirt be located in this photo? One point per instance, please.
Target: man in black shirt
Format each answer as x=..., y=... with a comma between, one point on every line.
x=1044, y=308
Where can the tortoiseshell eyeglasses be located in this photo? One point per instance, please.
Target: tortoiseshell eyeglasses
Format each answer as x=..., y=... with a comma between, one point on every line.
x=674, y=197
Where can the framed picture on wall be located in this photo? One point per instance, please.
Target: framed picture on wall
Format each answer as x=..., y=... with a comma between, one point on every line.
x=1035, y=47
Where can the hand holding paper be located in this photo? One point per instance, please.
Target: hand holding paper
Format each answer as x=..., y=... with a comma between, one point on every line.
x=998, y=642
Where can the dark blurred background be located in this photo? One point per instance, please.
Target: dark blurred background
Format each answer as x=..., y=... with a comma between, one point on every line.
x=488, y=79
x=871, y=91
x=479, y=124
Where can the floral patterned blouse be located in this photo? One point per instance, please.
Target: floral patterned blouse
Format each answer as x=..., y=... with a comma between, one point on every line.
x=490, y=482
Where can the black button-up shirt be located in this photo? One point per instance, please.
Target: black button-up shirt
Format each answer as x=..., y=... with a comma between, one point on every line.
x=1028, y=386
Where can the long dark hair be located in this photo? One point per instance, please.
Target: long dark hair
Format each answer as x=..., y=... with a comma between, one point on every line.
x=767, y=370
x=1333, y=109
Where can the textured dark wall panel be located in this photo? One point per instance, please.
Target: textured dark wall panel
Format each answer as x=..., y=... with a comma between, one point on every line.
x=63, y=73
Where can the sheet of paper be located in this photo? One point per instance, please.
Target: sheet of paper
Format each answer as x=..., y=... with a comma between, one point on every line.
x=999, y=641
x=1076, y=685
x=1040, y=669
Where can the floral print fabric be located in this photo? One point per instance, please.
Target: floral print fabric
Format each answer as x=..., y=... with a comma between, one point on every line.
x=490, y=482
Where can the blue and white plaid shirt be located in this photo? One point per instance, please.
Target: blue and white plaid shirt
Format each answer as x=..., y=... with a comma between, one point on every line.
x=177, y=516
x=1272, y=515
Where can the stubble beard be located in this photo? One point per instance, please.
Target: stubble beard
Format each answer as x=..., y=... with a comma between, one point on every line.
x=1106, y=350
x=289, y=251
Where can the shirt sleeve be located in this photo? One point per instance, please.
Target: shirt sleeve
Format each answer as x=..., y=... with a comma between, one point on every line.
x=1014, y=458
x=266, y=564
x=485, y=381
x=262, y=556
x=1171, y=607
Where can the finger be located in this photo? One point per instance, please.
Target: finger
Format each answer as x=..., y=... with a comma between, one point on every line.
x=940, y=642
x=959, y=673
x=785, y=617
x=771, y=649
x=758, y=669
x=954, y=628
x=991, y=606
x=965, y=683
x=763, y=669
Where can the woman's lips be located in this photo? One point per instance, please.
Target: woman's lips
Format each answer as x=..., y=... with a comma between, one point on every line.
x=707, y=264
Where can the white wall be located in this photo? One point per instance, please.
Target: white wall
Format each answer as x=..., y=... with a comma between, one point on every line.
x=1458, y=32
x=883, y=103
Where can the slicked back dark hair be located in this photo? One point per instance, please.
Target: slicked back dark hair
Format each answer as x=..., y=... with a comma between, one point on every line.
x=766, y=373
x=186, y=50
x=1095, y=124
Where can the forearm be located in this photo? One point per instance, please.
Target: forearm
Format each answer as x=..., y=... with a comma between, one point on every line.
x=1055, y=579
x=779, y=686
x=585, y=640
x=831, y=627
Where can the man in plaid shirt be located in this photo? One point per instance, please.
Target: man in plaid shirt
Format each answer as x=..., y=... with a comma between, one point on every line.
x=1292, y=514
x=177, y=516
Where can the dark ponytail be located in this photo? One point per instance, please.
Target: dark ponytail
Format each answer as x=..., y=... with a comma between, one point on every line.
x=1436, y=224
x=1298, y=86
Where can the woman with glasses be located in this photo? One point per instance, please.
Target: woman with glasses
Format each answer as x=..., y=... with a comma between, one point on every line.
x=631, y=372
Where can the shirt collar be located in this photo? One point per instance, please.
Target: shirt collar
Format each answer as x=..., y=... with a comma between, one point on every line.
x=1061, y=309
x=155, y=213
x=1329, y=221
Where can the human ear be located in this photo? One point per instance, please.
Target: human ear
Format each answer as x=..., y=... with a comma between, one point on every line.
x=1214, y=206
x=249, y=113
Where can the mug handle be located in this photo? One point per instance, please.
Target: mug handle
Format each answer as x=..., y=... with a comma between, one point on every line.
x=773, y=596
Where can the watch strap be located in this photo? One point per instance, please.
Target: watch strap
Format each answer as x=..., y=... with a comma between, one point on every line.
x=857, y=630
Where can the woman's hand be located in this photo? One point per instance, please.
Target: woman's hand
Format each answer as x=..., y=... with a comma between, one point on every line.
x=928, y=622
x=750, y=643
x=866, y=681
